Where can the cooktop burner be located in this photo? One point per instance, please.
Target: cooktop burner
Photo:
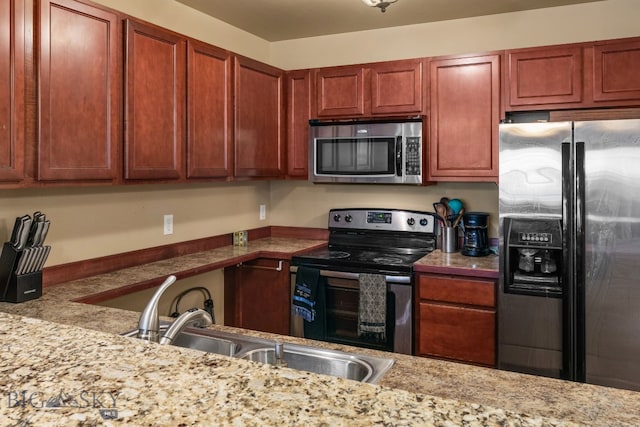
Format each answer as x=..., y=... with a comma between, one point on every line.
x=337, y=254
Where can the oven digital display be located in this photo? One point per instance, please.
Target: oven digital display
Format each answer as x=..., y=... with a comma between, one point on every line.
x=378, y=217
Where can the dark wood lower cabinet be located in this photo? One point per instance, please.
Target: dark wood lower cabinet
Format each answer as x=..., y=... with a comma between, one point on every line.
x=456, y=319
x=257, y=296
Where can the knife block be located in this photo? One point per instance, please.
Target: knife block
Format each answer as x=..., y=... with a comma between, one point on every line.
x=17, y=288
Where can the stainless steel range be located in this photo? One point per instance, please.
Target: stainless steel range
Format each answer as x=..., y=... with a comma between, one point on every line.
x=380, y=242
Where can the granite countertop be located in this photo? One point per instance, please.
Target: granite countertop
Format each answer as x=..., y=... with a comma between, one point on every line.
x=455, y=263
x=54, y=347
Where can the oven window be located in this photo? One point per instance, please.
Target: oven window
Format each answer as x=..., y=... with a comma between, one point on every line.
x=355, y=156
x=342, y=319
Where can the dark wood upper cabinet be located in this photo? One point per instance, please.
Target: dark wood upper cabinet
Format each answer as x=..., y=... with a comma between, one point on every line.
x=545, y=76
x=12, y=90
x=615, y=71
x=397, y=87
x=584, y=75
x=79, y=87
x=259, y=119
x=299, y=111
x=155, y=102
x=210, y=112
x=377, y=89
x=464, y=117
x=340, y=91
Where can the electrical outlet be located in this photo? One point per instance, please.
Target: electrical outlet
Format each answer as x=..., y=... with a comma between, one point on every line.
x=263, y=212
x=168, y=224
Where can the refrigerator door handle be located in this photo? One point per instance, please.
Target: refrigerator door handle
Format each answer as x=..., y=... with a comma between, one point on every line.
x=568, y=297
x=579, y=267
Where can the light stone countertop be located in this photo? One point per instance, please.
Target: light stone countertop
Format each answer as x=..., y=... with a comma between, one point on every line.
x=53, y=346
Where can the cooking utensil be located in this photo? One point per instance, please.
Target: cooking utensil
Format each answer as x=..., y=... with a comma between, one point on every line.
x=45, y=231
x=445, y=202
x=441, y=213
x=458, y=218
x=455, y=205
x=24, y=233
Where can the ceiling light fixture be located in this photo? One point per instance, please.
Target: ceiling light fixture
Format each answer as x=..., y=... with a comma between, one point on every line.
x=382, y=4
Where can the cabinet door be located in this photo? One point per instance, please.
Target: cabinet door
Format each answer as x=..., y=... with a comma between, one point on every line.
x=615, y=71
x=397, y=87
x=545, y=76
x=210, y=114
x=155, y=102
x=459, y=333
x=79, y=87
x=258, y=296
x=12, y=89
x=259, y=119
x=340, y=91
x=465, y=112
x=457, y=290
x=299, y=102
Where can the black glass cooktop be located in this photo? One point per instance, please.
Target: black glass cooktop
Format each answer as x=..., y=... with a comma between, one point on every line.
x=359, y=260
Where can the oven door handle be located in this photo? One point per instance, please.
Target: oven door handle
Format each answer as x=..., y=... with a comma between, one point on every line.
x=355, y=276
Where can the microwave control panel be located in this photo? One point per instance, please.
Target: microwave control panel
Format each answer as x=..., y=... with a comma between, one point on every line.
x=413, y=156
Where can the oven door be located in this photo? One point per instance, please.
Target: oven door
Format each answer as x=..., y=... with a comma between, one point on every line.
x=341, y=307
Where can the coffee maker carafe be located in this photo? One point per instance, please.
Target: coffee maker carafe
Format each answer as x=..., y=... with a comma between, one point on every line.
x=476, y=240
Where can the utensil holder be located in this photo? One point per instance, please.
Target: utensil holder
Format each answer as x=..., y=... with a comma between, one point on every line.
x=13, y=287
x=449, y=239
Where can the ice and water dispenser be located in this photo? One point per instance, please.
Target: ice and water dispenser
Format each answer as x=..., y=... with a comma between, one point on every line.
x=533, y=256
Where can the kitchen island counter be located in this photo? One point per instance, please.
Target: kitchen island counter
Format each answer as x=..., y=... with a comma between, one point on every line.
x=55, y=345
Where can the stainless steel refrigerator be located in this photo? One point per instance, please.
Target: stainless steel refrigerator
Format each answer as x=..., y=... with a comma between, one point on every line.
x=569, y=297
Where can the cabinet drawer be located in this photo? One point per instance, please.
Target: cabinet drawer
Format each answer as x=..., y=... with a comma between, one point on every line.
x=458, y=333
x=457, y=290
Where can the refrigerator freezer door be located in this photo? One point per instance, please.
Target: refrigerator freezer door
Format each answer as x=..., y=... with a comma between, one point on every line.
x=611, y=331
x=531, y=186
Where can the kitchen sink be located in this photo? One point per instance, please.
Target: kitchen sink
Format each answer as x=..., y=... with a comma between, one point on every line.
x=351, y=366
x=210, y=341
x=327, y=362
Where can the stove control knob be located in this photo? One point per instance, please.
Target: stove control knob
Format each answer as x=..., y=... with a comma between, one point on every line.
x=337, y=217
x=411, y=221
x=424, y=222
x=348, y=218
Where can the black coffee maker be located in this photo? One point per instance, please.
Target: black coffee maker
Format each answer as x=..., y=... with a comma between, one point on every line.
x=476, y=239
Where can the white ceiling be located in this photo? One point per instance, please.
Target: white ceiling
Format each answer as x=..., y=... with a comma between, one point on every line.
x=276, y=20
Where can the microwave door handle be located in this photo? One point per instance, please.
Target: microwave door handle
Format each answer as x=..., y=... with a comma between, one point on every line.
x=399, y=156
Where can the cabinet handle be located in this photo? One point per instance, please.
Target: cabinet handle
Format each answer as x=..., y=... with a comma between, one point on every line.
x=262, y=267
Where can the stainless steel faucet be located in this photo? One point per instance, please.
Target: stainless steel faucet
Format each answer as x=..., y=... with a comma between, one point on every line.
x=149, y=323
x=193, y=317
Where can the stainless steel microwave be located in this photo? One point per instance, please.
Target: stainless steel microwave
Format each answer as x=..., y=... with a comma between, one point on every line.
x=383, y=152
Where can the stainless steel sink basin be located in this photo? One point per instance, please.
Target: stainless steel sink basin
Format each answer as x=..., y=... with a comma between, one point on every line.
x=327, y=362
x=351, y=366
x=209, y=341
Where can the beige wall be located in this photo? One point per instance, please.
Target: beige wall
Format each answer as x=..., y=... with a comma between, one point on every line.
x=97, y=221
x=584, y=22
x=182, y=19
x=307, y=204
